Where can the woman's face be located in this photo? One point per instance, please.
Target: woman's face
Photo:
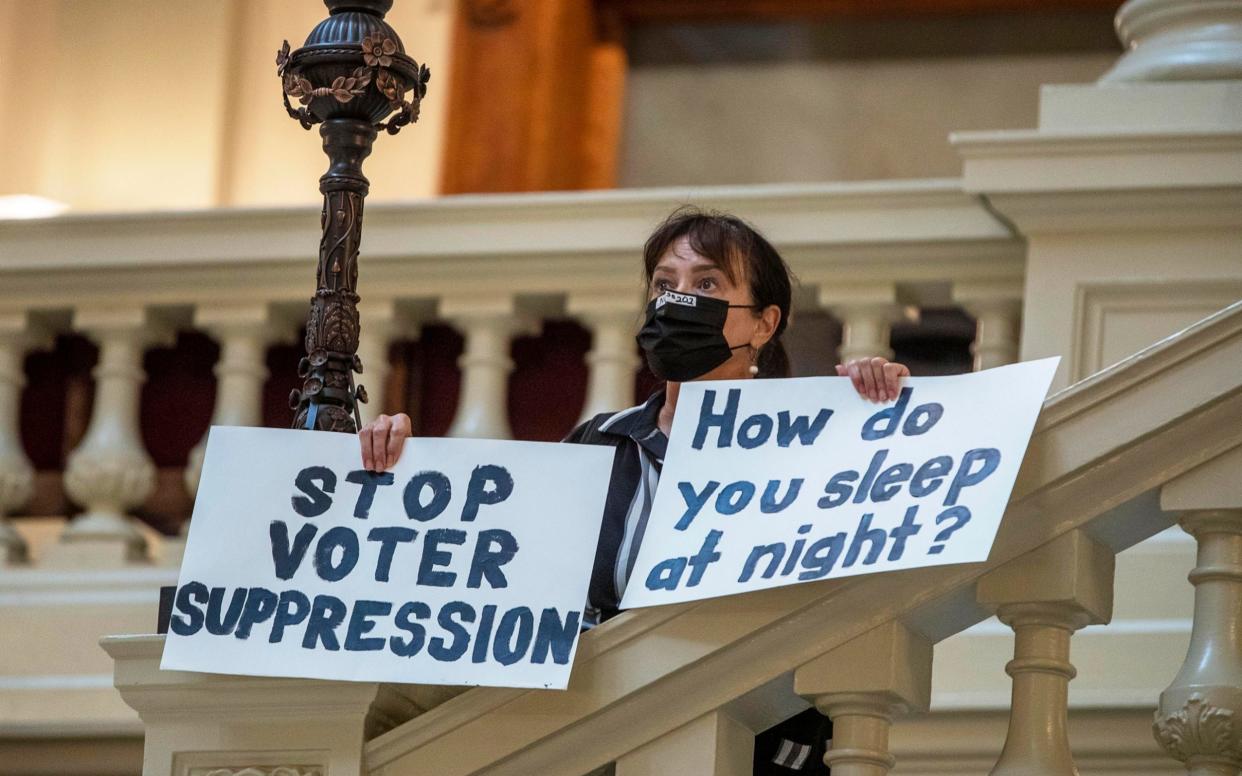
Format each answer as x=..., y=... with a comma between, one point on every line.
x=684, y=271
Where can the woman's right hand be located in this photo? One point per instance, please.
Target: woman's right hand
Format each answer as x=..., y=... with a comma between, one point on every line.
x=382, y=440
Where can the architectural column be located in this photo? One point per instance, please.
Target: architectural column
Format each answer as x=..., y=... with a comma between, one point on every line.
x=1199, y=719
x=245, y=725
x=1045, y=596
x=243, y=333
x=1125, y=193
x=17, y=337
x=383, y=323
x=1178, y=40
x=997, y=310
x=110, y=472
x=613, y=358
x=866, y=313
x=488, y=325
x=861, y=686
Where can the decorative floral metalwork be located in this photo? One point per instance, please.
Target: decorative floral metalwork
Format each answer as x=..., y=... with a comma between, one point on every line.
x=389, y=85
x=1198, y=729
x=282, y=58
x=377, y=50
x=351, y=77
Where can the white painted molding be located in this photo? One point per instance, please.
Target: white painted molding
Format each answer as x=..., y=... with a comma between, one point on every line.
x=530, y=245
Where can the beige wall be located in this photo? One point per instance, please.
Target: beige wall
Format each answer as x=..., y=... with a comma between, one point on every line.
x=153, y=104
x=828, y=120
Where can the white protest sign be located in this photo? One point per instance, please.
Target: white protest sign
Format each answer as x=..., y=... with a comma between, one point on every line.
x=468, y=563
x=775, y=482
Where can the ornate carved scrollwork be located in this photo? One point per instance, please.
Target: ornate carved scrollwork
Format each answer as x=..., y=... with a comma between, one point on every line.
x=378, y=54
x=1199, y=729
x=351, y=77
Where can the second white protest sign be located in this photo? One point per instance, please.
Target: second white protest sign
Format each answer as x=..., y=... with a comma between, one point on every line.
x=770, y=483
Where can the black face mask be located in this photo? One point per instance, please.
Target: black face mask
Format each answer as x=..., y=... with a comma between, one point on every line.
x=683, y=336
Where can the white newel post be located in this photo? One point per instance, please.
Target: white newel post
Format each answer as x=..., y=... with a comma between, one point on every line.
x=244, y=333
x=1178, y=40
x=866, y=314
x=1045, y=596
x=1199, y=719
x=110, y=472
x=382, y=324
x=861, y=686
x=1126, y=190
x=221, y=725
x=997, y=310
x=613, y=358
x=16, y=473
x=488, y=326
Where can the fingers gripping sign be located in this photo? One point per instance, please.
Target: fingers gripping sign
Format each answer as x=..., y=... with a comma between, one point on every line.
x=383, y=439
x=876, y=379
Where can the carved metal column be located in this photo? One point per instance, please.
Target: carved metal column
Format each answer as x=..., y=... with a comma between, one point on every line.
x=351, y=77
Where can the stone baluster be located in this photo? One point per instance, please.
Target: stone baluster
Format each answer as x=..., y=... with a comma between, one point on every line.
x=861, y=686
x=1178, y=40
x=715, y=744
x=613, y=358
x=110, y=472
x=489, y=325
x=866, y=313
x=17, y=337
x=244, y=332
x=1045, y=596
x=1199, y=719
x=383, y=322
x=996, y=308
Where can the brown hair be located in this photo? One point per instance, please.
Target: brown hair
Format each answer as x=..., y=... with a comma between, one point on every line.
x=742, y=254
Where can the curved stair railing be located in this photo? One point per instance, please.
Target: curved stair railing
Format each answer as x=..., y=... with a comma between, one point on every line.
x=1155, y=440
x=1150, y=442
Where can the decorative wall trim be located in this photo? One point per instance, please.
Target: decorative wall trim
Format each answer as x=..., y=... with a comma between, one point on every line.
x=1096, y=302
x=274, y=763
x=1199, y=728
x=277, y=770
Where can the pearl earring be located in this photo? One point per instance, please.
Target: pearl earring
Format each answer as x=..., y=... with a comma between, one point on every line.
x=754, y=369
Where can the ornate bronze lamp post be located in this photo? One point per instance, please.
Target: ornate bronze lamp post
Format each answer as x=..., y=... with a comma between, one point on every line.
x=351, y=77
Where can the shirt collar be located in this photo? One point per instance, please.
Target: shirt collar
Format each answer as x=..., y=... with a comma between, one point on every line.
x=641, y=423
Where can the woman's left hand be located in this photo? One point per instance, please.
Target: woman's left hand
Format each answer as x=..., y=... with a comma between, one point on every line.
x=876, y=379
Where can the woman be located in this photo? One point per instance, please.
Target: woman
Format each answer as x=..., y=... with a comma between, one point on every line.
x=718, y=302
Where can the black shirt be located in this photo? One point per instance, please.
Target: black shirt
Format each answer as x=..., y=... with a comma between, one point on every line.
x=795, y=746
x=640, y=446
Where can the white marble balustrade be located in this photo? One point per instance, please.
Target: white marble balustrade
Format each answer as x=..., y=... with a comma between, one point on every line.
x=685, y=688
x=491, y=281
x=477, y=264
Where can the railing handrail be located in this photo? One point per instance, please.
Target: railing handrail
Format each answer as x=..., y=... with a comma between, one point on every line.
x=896, y=231
x=1085, y=470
